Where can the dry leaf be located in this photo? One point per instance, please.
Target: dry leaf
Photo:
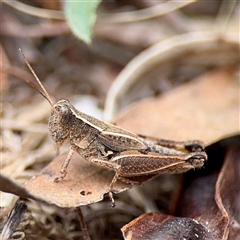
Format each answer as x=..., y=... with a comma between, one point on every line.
x=168, y=63
x=84, y=183
x=159, y=226
x=228, y=192
x=199, y=109
x=198, y=202
x=213, y=198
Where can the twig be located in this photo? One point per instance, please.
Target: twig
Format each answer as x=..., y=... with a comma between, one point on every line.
x=34, y=11
x=83, y=224
x=147, y=13
x=13, y=220
x=155, y=57
x=223, y=17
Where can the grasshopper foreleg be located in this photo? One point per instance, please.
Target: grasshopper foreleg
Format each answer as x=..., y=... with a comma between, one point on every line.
x=63, y=170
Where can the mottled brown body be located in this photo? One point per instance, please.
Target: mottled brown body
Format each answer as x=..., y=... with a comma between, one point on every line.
x=134, y=158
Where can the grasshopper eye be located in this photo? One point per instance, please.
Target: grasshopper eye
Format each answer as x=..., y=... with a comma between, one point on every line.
x=64, y=112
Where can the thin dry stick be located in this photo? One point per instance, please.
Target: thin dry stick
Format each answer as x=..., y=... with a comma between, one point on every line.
x=20, y=126
x=162, y=52
x=147, y=13
x=223, y=17
x=47, y=29
x=34, y=11
x=83, y=224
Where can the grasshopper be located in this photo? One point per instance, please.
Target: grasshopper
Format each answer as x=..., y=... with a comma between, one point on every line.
x=134, y=158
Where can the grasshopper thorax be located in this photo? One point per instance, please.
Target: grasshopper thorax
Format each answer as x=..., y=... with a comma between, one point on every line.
x=59, y=120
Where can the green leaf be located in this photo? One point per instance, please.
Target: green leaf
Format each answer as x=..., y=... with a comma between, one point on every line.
x=81, y=17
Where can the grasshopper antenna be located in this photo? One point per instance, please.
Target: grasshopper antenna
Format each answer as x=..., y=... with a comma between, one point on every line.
x=44, y=93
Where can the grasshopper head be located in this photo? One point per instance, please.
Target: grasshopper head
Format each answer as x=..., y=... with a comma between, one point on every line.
x=59, y=121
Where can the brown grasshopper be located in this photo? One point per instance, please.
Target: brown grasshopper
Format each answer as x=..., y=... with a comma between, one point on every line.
x=133, y=158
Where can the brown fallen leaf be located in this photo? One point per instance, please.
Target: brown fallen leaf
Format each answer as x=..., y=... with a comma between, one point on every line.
x=164, y=227
x=228, y=192
x=201, y=218
x=213, y=197
x=168, y=63
x=198, y=202
x=84, y=184
x=195, y=110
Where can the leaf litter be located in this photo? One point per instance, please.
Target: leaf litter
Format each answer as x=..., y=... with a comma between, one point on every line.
x=212, y=199
x=84, y=183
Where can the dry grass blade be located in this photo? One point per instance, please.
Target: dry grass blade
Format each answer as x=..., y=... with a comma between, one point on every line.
x=172, y=56
x=144, y=14
x=83, y=224
x=34, y=11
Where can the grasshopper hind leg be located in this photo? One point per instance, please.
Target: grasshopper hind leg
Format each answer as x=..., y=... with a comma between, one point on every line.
x=110, y=166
